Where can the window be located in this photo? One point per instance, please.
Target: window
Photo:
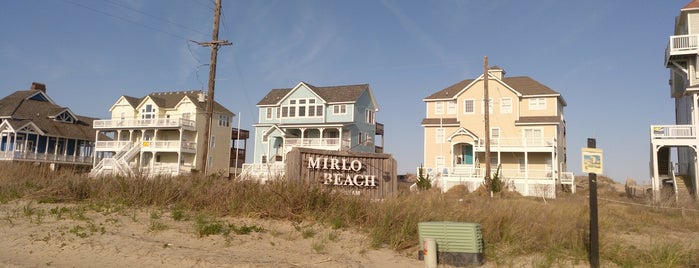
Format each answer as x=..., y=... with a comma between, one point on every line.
x=506, y=105
x=148, y=112
x=301, y=108
x=212, y=142
x=522, y=165
x=468, y=107
x=224, y=120
x=438, y=107
x=439, y=135
x=494, y=135
x=439, y=161
x=494, y=161
x=490, y=106
x=370, y=116
x=269, y=112
x=537, y=104
x=264, y=159
x=533, y=136
x=340, y=109
x=186, y=116
x=451, y=107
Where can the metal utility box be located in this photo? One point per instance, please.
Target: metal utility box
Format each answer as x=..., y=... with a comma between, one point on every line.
x=458, y=243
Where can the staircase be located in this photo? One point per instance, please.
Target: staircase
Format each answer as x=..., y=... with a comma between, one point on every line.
x=118, y=164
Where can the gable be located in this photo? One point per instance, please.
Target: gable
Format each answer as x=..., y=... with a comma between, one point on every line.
x=64, y=115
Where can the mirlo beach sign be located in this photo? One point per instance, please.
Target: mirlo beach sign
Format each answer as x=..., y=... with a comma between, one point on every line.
x=342, y=172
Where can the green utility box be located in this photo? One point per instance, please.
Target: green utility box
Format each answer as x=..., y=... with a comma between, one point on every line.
x=458, y=243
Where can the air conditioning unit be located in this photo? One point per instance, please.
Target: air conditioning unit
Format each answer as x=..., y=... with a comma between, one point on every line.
x=458, y=243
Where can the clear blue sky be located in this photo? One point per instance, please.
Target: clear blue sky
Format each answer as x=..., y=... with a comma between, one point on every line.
x=604, y=57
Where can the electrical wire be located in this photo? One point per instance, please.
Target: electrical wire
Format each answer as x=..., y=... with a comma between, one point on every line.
x=155, y=17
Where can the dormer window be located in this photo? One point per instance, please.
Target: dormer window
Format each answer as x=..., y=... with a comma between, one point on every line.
x=340, y=109
x=301, y=108
x=148, y=112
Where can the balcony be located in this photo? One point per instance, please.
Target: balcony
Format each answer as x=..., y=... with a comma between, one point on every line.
x=162, y=146
x=518, y=144
x=681, y=45
x=672, y=134
x=40, y=157
x=144, y=123
x=315, y=143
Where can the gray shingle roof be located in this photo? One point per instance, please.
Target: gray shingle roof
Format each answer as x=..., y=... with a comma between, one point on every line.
x=331, y=94
x=21, y=110
x=522, y=84
x=169, y=100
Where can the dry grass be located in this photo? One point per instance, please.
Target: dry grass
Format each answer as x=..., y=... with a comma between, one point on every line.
x=552, y=233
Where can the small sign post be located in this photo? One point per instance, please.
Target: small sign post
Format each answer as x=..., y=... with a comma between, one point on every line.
x=592, y=164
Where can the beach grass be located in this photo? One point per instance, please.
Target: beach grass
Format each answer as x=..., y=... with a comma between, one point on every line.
x=551, y=232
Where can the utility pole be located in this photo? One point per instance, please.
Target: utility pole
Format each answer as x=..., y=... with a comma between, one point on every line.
x=213, y=44
x=486, y=112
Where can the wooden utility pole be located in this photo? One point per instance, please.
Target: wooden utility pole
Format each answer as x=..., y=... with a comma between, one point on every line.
x=594, y=227
x=214, y=44
x=486, y=112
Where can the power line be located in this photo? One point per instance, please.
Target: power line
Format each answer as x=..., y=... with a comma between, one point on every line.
x=125, y=19
x=155, y=17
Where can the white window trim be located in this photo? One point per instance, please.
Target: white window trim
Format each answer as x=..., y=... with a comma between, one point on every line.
x=437, y=135
x=537, y=104
x=503, y=109
x=340, y=108
x=439, y=107
x=490, y=106
x=451, y=106
x=473, y=106
x=269, y=113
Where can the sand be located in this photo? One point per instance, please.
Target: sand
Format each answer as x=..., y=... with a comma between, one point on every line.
x=70, y=235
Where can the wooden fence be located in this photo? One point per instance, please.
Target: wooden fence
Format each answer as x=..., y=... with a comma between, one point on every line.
x=372, y=175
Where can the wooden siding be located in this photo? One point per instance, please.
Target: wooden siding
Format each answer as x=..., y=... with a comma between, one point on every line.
x=382, y=166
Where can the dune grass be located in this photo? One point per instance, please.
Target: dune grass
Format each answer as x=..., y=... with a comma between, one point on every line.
x=552, y=233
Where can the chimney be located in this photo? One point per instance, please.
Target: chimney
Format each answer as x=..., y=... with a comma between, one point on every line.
x=496, y=71
x=201, y=97
x=38, y=86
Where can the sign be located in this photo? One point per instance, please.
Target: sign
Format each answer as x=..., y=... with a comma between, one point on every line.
x=592, y=160
x=342, y=172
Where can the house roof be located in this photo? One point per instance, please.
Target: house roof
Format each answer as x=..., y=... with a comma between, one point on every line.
x=691, y=5
x=440, y=121
x=524, y=85
x=539, y=120
x=331, y=94
x=19, y=109
x=169, y=100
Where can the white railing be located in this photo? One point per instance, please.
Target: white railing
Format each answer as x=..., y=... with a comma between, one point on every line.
x=111, y=145
x=312, y=142
x=263, y=172
x=184, y=145
x=29, y=156
x=519, y=142
x=671, y=131
x=683, y=43
x=139, y=123
x=166, y=169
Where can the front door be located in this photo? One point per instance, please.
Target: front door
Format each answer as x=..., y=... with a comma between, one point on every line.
x=467, y=154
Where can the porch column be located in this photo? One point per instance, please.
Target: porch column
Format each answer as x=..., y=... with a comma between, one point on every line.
x=322, y=139
x=94, y=156
x=526, y=173
x=25, y=148
x=303, y=132
x=14, y=144
x=75, y=150
x=339, y=129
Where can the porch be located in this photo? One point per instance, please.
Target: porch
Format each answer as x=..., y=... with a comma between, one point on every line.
x=161, y=122
x=44, y=157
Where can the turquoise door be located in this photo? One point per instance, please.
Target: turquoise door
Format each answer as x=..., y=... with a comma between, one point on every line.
x=467, y=154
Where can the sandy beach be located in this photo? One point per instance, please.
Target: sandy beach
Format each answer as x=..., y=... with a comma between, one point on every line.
x=71, y=235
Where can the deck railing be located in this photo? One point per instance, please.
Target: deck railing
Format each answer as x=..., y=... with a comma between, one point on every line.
x=682, y=45
x=40, y=157
x=318, y=143
x=672, y=132
x=142, y=123
x=149, y=145
x=519, y=142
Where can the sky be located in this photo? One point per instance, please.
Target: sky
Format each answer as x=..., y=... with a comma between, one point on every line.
x=605, y=58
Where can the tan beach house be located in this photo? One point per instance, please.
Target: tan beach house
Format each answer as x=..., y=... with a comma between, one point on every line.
x=162, y=133
x=527, y=134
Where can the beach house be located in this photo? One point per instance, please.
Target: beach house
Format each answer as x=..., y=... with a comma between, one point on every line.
x=527, y=134
x=162, y=133
x=338, y=118
x=681, y=57
x=34, y=128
